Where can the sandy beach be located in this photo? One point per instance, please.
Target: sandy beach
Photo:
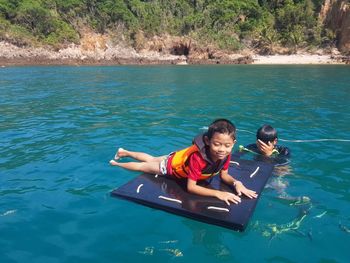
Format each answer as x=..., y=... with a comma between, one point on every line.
x=298, y=59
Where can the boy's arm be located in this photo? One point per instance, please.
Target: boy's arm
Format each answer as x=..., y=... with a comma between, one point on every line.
x=193, y=188
x=240, y=188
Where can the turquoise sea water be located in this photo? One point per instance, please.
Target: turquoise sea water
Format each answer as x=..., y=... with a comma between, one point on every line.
x=59, y=127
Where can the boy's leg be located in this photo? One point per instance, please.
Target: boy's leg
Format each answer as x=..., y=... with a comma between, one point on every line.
x=140, y=156
x=146, y=167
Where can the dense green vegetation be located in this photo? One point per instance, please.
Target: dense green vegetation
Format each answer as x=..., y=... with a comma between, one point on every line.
x=228, y=24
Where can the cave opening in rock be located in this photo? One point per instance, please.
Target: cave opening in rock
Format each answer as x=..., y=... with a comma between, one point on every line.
x=180, y=50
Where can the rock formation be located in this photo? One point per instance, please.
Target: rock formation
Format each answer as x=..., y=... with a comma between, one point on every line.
x=335, y=14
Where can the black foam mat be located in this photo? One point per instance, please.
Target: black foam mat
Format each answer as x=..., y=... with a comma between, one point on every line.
x=170, y=195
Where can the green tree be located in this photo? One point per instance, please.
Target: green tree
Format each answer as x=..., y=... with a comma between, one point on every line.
x=62, y=33
x=109, y=12
x=295, y=22
x=224, y=23
x=32, y=15
x=7, y=9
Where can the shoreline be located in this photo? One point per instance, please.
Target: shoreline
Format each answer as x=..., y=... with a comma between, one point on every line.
x=11, y=55
x=295, y=59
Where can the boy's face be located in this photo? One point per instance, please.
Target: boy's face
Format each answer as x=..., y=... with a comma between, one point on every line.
x=220, y=145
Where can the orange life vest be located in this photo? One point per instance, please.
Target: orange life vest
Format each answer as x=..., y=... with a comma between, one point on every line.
x=180, y=160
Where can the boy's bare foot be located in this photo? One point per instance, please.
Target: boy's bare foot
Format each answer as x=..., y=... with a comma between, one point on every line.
x=120, y=153
x=112, y=162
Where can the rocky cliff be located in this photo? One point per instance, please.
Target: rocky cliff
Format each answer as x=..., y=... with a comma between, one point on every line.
x=335, y=14
x=102, y=49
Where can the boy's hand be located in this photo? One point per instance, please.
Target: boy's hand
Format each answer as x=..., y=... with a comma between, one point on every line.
x=241, y=189
x=228, y=197
x=265, y=148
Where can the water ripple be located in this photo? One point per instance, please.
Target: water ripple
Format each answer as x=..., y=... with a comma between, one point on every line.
x=59, y=127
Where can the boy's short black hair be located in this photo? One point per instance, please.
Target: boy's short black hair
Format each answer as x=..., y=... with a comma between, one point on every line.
x=223, y=126
x=266, y=133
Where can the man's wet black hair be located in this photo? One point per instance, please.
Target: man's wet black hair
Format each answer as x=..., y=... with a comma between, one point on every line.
x=266, y=133
x=223, y=126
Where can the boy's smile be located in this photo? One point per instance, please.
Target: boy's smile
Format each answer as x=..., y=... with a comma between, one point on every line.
x=220, y=145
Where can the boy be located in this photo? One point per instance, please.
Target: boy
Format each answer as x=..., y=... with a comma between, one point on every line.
x=266, y=146
x=209, y=155
x=266, y=150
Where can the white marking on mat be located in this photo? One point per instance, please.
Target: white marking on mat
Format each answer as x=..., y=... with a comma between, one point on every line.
x=217, y=208
x=170, y=199
x=234, y=162
x=156, y=176
x=138, y=188
x=256, y=170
